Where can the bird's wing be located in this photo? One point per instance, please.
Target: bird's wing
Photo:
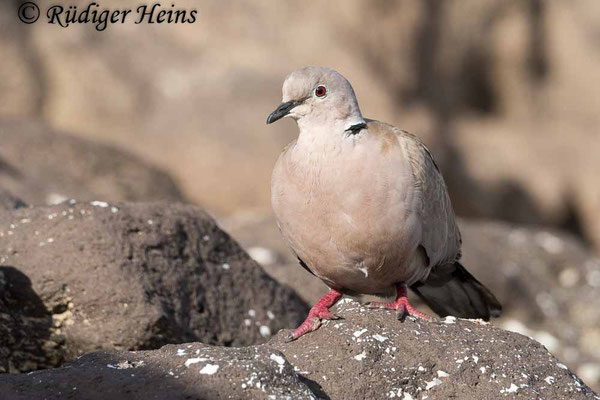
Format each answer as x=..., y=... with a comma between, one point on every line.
x=440, y=235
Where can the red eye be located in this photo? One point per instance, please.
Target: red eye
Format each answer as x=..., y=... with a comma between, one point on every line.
x=320, y=91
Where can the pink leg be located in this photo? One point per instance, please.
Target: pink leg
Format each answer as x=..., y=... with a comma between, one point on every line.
x=401, y=305
x=316, y=314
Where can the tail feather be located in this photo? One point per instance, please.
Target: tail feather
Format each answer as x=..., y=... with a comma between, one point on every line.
x=451, y=290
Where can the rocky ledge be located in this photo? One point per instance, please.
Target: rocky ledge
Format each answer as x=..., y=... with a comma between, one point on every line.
x=368, y=354
x=84, y=276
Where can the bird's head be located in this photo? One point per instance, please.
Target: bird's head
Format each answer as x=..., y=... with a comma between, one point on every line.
x=318, y=95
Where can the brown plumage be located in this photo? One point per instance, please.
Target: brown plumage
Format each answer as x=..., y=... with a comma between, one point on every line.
x=364, y=206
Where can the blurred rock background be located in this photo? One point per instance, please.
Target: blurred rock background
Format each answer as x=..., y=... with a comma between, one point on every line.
x=504, y=92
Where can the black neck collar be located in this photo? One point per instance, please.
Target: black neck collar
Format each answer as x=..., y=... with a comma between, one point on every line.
x=356, y=128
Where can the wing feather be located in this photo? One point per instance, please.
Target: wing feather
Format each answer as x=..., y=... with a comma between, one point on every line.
x=440, y=235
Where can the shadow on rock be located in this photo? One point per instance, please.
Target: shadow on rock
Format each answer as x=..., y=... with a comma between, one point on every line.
x=26, y=339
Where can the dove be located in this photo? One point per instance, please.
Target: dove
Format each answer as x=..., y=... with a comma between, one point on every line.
x=364, y=207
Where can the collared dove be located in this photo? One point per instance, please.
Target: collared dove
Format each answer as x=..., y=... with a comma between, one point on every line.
x=364, y=207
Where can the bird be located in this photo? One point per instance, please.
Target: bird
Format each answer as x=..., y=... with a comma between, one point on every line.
x=364, y=207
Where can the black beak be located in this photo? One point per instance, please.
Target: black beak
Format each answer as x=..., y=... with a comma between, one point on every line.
x=282, y=110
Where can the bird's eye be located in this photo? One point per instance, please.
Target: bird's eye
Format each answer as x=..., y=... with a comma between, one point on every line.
x=320, y=91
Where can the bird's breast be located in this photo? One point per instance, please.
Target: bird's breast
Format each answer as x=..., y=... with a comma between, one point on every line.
x=353, y=228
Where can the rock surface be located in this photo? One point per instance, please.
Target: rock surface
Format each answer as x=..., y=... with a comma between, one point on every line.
x=129, y=276
x=44, y=167
x=547, y=281
x=190, y=371
x=371, y=355
x=368, y=355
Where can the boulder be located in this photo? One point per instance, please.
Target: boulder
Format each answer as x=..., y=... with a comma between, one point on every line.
x=42, y=166
x=546, y=280
x=371, y=355
x=130, y=276
x=367, y=355
x=191, y=371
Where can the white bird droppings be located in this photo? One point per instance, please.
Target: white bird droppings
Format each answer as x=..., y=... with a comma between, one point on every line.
x=361, y=356
x=209, y=369
x=549, y=380
x=196, y=360
x=359, y=333
x=97, y=203
x=180, y=352
x=433, y=383
x=278, y=359
x=380, y=338
x=511, y=389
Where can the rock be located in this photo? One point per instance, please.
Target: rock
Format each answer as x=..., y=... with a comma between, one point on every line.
x=371, y=355
x=138, y=276
x=26, y=338
x=546, y=280
x=10, y=202
x=367, y=355
x=191, y=371
x=548, y=283
x=45, y=167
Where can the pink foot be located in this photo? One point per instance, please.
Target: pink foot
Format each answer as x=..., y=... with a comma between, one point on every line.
x=401, y=305
x=319, y=312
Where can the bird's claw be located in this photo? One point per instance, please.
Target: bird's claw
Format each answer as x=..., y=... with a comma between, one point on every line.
x=402, y=314
x=289, y=338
